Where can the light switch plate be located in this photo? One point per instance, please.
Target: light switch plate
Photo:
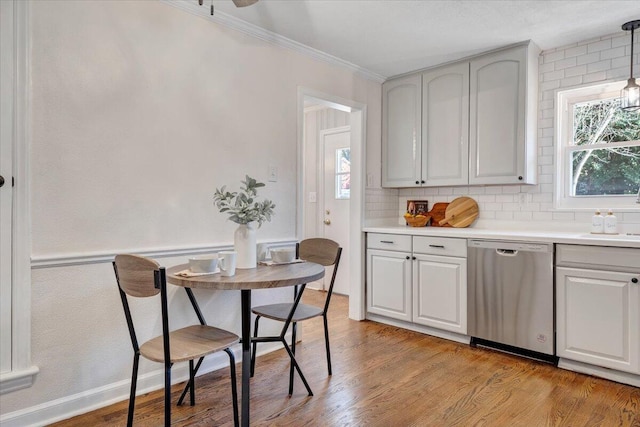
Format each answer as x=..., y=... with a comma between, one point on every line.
x=273, y=173
x=312, y=197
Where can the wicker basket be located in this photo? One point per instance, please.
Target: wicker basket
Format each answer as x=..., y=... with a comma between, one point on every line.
x=417, y=221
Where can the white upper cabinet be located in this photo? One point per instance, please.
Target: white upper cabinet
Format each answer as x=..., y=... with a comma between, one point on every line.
x=503, y=115
x=401, y=140
x=468, y=123
x=445, y=126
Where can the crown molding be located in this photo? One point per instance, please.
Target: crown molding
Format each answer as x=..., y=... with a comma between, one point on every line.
x=191, y=6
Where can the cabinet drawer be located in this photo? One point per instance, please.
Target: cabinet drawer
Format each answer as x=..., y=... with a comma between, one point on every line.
x=598, y=257
x=391, y=242
x=440, y=246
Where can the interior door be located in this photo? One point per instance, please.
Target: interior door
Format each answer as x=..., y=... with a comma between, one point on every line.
x=336, y=189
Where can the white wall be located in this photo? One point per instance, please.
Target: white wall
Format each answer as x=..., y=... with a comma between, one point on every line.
x=139, y=110
x=591, y=61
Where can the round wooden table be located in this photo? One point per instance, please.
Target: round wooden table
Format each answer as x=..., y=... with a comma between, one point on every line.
x=262, y=277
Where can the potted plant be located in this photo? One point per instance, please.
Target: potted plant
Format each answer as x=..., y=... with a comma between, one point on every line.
x=243, y=209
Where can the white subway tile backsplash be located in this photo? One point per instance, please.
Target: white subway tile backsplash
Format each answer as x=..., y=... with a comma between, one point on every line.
x=545, y=178
x=599, y=66
x=633, y=217
x=554, y=84
x=587, y=59
x=575, y=51
x=614, y=53
x=491, y=206
x=563, y=216
x=599, y=45
x=553, y=75
x=594, y=77
x=505, y=216
x=571, y=81
x=553, y=56
x=547, y=169
x=506, y=189
x=523, y=216
x=542, y=216
x=505, y=198
x=566, y=63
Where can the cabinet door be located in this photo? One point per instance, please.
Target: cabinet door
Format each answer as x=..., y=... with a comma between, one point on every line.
x=497, y=117
x=440, y=292
x=445, y=125
x=389, y=284
x=401, y=142
x=598, y=318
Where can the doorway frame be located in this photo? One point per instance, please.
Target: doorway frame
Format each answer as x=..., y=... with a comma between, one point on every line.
x=22, y=372
x=358, y=124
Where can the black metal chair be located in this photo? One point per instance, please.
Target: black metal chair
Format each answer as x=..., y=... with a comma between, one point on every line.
x=142, y=277
x=322, y=251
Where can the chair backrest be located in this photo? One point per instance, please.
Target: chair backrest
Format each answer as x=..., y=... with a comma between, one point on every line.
x=324, y=252
x=320, y=251
x=139, y=276
x=135, y=275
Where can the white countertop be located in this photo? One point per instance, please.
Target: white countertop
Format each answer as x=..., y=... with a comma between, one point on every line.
x=513, y=231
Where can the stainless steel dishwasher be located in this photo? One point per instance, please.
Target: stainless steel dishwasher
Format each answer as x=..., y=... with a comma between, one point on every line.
x=510, y=297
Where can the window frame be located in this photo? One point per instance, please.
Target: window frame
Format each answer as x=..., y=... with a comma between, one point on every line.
x=565, y=100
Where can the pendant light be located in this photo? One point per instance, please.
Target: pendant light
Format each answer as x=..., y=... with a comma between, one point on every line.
x=630, y=95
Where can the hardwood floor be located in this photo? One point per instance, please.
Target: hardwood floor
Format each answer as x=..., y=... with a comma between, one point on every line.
x=386, y=376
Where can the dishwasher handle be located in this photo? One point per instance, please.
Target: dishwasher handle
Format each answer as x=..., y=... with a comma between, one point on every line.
x=507, y=252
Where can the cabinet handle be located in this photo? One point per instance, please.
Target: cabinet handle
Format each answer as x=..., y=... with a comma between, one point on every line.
x=413, y=258
x=634, y=280
x=408, y=257
x=423, y=181
x=436, y=246
x=418, y=182
x=386, y=241
x=520, y=178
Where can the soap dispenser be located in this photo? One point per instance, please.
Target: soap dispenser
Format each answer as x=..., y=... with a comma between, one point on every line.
x=610, y=223
x=597, y=223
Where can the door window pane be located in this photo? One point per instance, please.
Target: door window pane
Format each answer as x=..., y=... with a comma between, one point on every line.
x=343, y=173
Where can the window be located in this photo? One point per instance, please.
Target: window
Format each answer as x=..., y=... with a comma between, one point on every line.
x=598, y=149
x=343, y=173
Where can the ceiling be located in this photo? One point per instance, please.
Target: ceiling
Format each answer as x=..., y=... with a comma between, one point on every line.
x=391, y=37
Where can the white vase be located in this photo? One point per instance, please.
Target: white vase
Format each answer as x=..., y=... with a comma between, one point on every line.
x=244, y=242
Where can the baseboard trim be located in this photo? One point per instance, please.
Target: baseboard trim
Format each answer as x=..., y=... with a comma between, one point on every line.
x=447, y=335
x=90, y=400
x=598, y=371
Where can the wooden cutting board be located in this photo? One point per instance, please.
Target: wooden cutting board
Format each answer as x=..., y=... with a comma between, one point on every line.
x=437, y=214
x=461, y=212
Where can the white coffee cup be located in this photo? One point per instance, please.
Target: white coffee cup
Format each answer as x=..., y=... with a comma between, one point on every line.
x=227, y=263
x=262, y=251
x=203, y=263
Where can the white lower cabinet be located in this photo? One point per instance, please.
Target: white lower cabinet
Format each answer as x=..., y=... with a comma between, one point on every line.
x=598, y=306
x=389, y=275
x=440, y=292
x=598, y=318
x=389, y=279
x=422, y=280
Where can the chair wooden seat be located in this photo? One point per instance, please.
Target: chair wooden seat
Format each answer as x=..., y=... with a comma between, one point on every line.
x=280, y=312
x=189, y=343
